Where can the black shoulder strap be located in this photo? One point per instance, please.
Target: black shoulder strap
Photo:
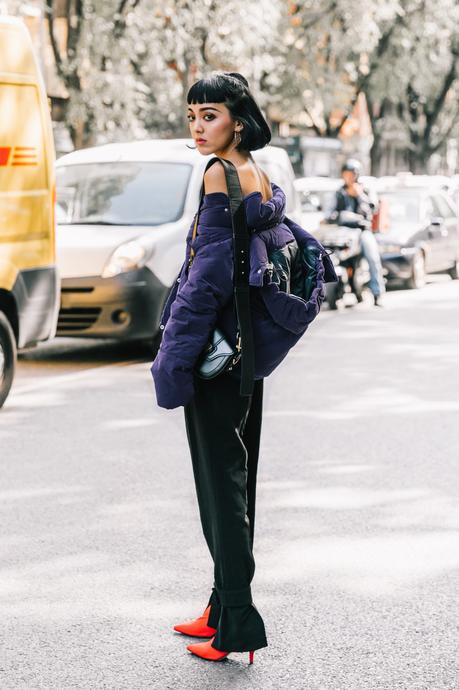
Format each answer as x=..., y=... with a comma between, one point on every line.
x=241, y=255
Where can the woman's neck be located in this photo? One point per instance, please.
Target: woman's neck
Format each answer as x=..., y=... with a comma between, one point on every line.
x=236, y=157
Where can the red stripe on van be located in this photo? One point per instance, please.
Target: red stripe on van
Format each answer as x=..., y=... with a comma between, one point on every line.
x=4, y=154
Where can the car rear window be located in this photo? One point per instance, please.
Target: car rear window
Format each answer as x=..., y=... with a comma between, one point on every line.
x=121, y=193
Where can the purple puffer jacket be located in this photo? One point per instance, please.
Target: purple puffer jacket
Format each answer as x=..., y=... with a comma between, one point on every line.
x=202, y=297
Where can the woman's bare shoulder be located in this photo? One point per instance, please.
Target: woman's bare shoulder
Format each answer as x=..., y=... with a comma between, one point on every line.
x=265, y=176
x=215, y=179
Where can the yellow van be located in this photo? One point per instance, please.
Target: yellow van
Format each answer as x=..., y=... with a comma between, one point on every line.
x=29, y=283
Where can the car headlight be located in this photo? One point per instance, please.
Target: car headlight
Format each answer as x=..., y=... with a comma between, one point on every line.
x=126, y=257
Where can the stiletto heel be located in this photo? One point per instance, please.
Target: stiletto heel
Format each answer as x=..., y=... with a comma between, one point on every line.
x=251, y=657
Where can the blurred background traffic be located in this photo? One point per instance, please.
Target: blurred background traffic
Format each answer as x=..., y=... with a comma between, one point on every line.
x=98, y=186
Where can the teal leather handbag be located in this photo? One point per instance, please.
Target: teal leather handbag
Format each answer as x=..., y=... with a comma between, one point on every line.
x=218, y=356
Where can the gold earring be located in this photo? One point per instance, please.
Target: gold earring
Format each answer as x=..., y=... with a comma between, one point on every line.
x=237, y=138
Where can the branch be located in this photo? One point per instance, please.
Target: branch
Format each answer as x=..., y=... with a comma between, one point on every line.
x=434, y=147
x=432, y=115
x=338, y=128
x=119, y=24
x=315, y=127
x=74, y=30
x=57, y=56
x=382, y=47
x=315, y=20
x=205, y=33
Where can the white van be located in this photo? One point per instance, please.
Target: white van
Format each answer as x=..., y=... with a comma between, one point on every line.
x=123, y=213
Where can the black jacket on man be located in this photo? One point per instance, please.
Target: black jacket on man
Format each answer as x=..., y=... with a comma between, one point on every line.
x=345, y=202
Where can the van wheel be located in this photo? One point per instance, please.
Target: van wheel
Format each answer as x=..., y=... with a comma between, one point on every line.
x=7, y=357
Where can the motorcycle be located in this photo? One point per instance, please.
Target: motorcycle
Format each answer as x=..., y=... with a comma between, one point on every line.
x=343, y=237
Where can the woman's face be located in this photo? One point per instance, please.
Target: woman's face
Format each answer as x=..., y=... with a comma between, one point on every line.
x=211, y=126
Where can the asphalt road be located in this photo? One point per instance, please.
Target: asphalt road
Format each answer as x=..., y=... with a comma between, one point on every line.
x=356, y=545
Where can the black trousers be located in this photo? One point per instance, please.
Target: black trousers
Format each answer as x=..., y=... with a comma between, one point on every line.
x=223, y=432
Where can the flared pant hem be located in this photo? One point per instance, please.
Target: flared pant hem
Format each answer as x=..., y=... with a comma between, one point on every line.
x=240, y=628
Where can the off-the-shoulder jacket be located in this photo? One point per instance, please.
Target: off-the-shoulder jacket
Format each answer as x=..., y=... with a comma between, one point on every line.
x=202, y=296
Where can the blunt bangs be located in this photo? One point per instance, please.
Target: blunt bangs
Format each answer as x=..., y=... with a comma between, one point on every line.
x=213, y=89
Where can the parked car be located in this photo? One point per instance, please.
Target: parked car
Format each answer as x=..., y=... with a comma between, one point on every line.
x=316, y=197
x=422, y=233
x=123, y=214
x=409, y=179
x=29, y=281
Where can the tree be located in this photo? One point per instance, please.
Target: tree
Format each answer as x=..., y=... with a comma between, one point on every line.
x=416, y=91
x=329, y=46
x=94, y=62
x=402, y=54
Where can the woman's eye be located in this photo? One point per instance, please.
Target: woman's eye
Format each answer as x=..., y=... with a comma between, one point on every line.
x=190, y=117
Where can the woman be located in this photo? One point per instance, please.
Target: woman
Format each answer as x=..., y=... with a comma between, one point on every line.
x=223, y=427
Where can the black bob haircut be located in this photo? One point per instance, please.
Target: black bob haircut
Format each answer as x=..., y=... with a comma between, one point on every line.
x=232, y=89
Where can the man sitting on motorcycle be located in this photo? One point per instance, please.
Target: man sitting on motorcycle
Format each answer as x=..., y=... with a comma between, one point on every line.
x=352, y=197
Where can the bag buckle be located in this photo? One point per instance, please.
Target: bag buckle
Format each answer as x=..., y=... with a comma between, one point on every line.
x=238, y=353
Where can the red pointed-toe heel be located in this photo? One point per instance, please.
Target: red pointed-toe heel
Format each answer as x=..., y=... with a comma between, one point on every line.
x=197, y=627
x=206, y=651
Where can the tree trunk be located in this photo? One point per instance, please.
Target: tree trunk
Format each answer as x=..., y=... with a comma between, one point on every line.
x=375, y=155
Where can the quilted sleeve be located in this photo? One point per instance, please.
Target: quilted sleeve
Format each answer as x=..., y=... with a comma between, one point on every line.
x=193, y=314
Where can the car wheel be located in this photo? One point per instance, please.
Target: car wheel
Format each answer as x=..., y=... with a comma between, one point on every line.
x=7, y=357
x=418, y=272
x=454, y=271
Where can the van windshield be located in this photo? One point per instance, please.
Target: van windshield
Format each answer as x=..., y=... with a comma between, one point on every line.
x=121, y=193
